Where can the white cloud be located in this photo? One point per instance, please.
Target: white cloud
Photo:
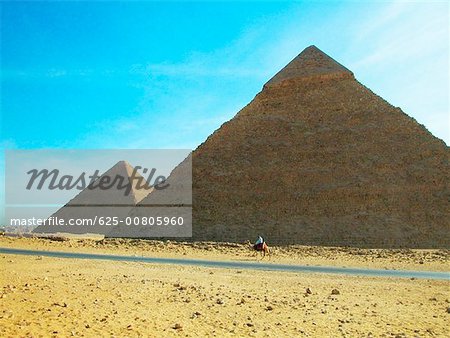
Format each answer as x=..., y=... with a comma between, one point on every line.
x=416, y=30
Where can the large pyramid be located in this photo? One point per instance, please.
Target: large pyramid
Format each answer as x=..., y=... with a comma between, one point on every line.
x=317, y=158
x=94, y=203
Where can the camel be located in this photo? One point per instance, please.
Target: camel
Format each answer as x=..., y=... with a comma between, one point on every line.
x=263, y=247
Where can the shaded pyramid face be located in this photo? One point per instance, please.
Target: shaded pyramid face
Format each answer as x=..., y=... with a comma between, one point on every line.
x=114, y=199
x=317, y=158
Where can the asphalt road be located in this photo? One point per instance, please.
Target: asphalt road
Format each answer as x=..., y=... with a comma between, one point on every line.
x=237, y=265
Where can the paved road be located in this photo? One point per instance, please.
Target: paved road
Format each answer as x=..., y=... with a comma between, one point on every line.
x=237, y=264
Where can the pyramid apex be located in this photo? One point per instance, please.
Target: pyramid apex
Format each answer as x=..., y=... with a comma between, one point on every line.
x=312, y=47
x=122, y=163
x=123, y=166
x=309, y=63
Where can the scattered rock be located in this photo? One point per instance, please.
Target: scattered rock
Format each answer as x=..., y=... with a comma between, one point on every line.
x=308, y=291
x=242, y=301
x=219, y=301
x=269, y=308
x=335, y=292
x=178, y=326
x=64, y=304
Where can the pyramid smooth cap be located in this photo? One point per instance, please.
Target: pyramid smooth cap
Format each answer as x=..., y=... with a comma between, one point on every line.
x=123, y=167
x=125, y=170
x=309, y=63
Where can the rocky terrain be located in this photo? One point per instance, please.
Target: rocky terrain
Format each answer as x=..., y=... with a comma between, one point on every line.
x=50, y=297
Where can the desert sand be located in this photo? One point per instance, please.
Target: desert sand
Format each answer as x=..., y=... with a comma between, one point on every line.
x=43, y=296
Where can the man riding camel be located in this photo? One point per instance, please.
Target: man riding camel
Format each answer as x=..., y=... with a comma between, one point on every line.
x=261, y=246
x=259, y=243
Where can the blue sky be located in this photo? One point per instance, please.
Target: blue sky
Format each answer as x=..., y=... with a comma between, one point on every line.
x=167, y=74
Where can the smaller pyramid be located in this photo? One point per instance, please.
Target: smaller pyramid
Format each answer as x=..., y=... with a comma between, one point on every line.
x=311, y=62
x=114, y=195
x=95, y=202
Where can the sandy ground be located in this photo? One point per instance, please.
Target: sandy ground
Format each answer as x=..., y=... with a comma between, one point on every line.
x=42, y=296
